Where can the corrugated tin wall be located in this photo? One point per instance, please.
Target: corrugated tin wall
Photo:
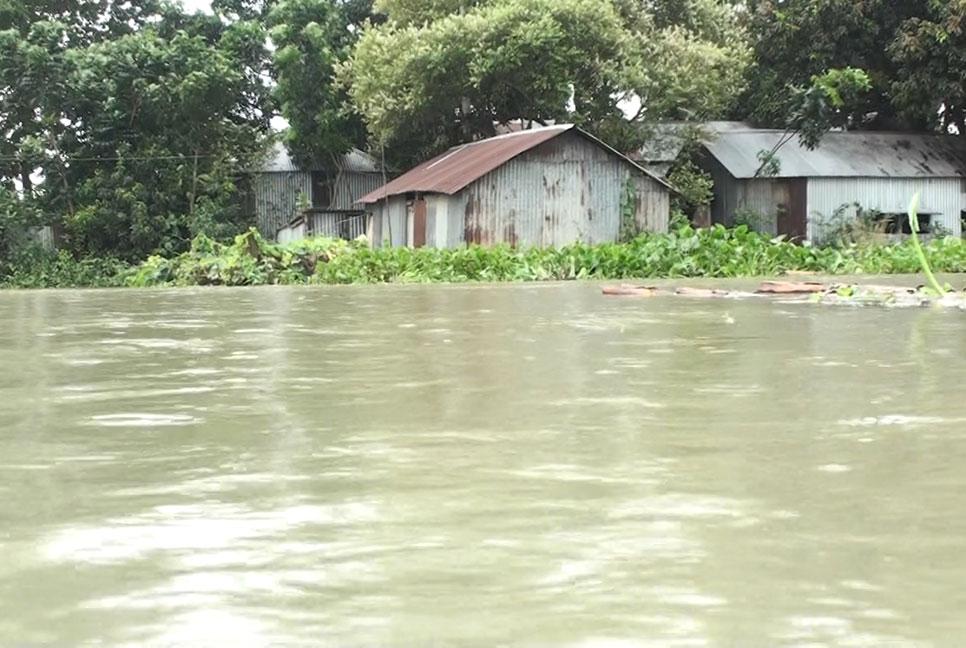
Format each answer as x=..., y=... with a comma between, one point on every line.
x=277, y=198
x=760, y=199
x=564, y=190
x=653, y=203
x=725, y=191
x=351, y=186
x=942, y=197
x=338, y=225
x=330, y=224
x=389, y=217
x=455, y=216
x=42, y=237
x=277, y=195
x=293, y=232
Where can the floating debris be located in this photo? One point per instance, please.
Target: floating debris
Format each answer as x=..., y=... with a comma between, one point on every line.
x=793, y=292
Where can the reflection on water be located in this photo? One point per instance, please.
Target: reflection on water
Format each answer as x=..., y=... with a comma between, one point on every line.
x=477, y=465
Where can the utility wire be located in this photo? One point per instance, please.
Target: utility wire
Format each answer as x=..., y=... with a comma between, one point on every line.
x=119, y=158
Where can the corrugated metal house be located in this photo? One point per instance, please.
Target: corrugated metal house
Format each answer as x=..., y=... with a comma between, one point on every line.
x=546, y=186
x=281, y=189
x=815, y=191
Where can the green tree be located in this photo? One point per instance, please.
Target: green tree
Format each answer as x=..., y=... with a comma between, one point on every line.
x=311, y=38
x=796, y=40
x=128, y=123
x=159, y=131
x=929, y=51
x=442, y=71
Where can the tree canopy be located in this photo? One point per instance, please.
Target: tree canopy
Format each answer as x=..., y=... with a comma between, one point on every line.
x=442, y=71
x=910, y=50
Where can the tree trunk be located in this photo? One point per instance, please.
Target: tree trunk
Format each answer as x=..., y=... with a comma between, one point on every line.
x=25, y=181
x=194, y=187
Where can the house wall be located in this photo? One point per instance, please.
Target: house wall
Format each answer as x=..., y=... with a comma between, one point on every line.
x=725, y=201
x=942, y=197
x=444, y=220
x=350, y=186
x=945, y=198
x=277, y=195
x=346, y=225
x=43, y=237
x=652, y=203
x=295, y=231
x=277, y=199
x=761, y=196
x=388, y=218
x=565, y=190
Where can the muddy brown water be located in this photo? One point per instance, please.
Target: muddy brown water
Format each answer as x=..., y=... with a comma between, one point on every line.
x=477, y=466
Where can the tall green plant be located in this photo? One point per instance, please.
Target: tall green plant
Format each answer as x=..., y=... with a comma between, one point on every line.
x=923, y=261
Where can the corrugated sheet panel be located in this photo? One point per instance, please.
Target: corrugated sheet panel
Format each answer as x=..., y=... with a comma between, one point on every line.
x=277, y=198
x=668, y=138
x=277, y=195
x=941, y=197
x=350, y=186
x=389, y=222
x=358, y=162
x=42, y=237
x=293, y=232
x=564, y=191
x=458, y=167
x=851, y=154
x=759, y=199
x=462, y=165
x=338, y=225
x=278, y=160
x=330, y=224
x=653, y=204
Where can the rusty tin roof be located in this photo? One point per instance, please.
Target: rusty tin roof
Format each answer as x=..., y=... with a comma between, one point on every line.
x=462, y=165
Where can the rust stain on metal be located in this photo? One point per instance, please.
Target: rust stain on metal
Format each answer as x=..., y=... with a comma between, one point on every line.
x=510, y=234
x=462, y=165
x=472, y=230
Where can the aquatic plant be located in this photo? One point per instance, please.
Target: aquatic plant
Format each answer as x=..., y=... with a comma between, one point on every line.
x=923, y=261
x=685, y=251
x=37, y=268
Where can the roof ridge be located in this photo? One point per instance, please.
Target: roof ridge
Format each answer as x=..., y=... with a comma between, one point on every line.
x=458, y=167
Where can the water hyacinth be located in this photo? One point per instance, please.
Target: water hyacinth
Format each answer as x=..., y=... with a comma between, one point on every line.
x=683, y=252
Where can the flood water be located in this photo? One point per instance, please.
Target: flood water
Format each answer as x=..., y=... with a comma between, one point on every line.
x=477, y=466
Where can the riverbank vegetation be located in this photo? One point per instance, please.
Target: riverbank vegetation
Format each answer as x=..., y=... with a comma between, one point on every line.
x=684, y=252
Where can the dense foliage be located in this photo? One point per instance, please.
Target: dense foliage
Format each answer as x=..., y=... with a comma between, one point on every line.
x=129, y=130
x=685, y=252
x=311, y=38
x=130, y=126
x=912, y=51
x=440, y=72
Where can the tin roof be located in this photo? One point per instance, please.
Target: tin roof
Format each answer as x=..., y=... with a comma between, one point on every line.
x=844, y=154
x=279, y=161
x=462, y=165
x=668, y=138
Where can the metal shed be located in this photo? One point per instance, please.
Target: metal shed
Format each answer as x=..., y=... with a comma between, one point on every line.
x=814, y=191
x=547, y=186
x=291, y=202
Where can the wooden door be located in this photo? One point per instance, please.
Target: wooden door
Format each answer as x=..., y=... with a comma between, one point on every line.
x=793, y=219
x=419, y=223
